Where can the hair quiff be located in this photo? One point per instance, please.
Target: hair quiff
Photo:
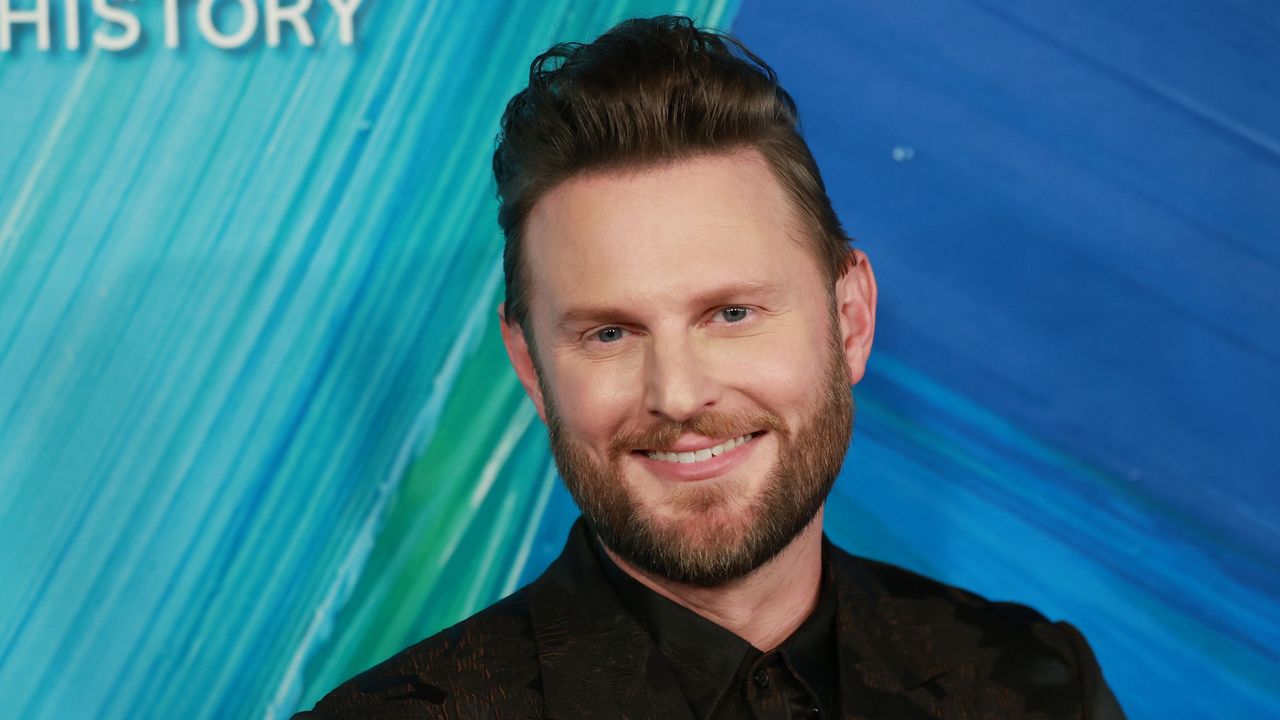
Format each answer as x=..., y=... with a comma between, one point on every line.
x=645, y=92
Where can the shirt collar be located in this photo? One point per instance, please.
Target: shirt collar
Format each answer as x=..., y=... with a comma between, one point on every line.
x=707, y=657
x=811, y=649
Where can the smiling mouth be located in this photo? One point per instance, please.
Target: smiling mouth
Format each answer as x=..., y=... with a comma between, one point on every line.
x=697, y=456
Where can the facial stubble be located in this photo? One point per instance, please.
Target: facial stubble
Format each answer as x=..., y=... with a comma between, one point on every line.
x=720, y=535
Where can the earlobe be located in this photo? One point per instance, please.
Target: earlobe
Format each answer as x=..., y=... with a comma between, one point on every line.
x=519, y=352
x=855, y=293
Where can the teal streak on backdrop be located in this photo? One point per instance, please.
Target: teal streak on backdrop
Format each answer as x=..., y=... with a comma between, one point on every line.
x=255, y=430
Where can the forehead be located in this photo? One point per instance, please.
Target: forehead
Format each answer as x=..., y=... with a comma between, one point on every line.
x=663, y=234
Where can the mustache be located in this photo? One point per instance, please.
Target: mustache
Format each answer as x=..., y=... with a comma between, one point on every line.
x=714, y=425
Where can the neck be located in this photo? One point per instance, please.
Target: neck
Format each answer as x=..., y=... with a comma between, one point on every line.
x=763, y=607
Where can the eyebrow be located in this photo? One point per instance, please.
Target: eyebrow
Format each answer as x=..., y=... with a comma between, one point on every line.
x=741, y=291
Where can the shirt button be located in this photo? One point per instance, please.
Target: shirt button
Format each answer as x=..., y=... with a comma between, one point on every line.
x=762, y=678
x=815, y=713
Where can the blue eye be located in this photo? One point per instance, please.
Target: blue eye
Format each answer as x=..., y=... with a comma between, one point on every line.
x=609, y=334
x=734, y=314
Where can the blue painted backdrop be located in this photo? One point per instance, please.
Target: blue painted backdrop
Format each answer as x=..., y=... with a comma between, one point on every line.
x=256, y=429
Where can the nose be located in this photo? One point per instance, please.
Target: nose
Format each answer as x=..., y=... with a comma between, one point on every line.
x=678, y=385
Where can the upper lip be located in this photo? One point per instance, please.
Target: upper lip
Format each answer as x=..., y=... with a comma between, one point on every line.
x=694, y=443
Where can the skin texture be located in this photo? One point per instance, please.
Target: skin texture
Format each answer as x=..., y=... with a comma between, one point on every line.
x=673, y=309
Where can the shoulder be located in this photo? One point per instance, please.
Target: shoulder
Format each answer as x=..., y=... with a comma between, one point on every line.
x=922, y=601
x=486, y=665
x=1010, y=654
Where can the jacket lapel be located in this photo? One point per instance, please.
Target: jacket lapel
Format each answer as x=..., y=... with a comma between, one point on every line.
x=890, y=653
x=596, y=660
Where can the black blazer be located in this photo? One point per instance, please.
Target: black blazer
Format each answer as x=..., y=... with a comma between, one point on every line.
x=565, y=647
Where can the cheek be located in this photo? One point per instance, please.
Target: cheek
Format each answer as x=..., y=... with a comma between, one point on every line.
x=595, y=398
x=780, y=381
x=780, y=368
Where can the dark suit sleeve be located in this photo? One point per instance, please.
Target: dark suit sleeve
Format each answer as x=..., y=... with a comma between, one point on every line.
x=1099, y=702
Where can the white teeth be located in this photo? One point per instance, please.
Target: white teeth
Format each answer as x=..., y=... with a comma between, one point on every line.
x=700, y=455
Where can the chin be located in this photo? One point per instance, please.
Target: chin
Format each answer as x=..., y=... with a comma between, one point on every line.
x=712, y=514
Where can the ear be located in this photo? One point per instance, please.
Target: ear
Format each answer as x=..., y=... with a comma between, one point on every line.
x=522, y=360
x=856, y=310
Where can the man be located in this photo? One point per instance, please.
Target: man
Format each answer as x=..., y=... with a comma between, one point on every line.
x=687, y=315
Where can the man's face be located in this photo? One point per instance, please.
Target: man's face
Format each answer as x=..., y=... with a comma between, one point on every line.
x=690, y=364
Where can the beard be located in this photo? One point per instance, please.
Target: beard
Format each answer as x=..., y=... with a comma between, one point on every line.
x=715, y=533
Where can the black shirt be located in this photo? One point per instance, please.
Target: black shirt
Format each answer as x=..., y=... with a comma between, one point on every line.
x=723, y=675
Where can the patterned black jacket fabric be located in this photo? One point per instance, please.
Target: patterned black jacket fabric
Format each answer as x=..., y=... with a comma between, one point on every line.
x=565, y=647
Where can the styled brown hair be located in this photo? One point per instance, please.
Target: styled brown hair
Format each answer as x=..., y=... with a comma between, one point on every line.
x=645, y=92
